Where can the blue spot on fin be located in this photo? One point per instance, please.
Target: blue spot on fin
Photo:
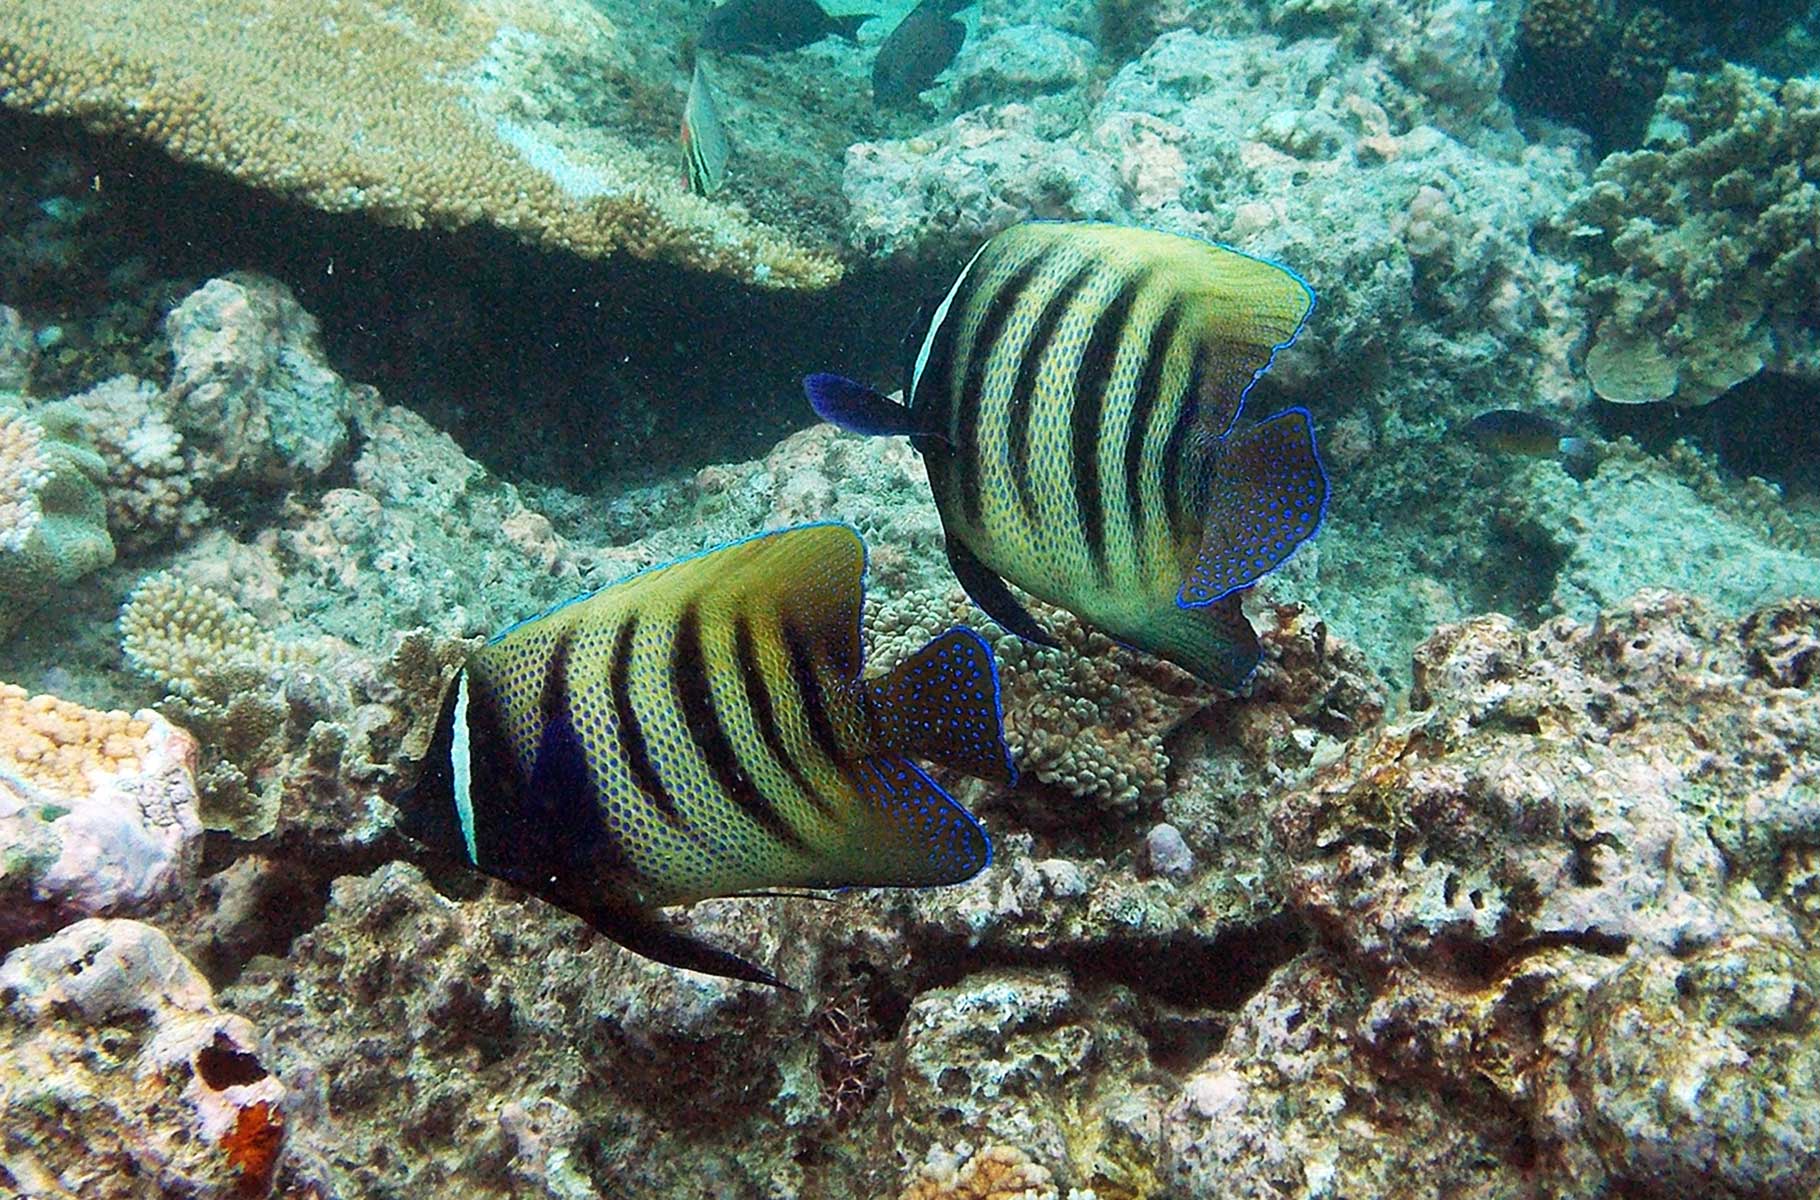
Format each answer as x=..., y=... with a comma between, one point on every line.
x=942, y=704
x=1214, y=642
x=1266, y=495
x=911, y=833
x=857, y=408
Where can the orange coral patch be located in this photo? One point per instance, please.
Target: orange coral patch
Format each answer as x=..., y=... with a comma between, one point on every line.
x=252, y=1147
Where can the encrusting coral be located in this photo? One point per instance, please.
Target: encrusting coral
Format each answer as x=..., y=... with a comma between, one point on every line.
x=401, y=111
x=1701, y=259
x=994, y=1173
x=53, y=520
x=97, y=812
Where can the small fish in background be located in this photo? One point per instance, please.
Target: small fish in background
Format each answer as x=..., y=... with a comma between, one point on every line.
x=1514, y=431
x=704, y=139
x=919, y=49
x=702, y=729
x=774, y=26
x=1076, y=398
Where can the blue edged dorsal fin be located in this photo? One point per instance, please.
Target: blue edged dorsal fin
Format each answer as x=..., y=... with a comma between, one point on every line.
x=1266, y=494
x=987, y=590
x=857, y=408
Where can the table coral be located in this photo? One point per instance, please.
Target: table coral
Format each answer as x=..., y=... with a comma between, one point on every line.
x=411, y=113
x=53, y=519
x=1700, y=248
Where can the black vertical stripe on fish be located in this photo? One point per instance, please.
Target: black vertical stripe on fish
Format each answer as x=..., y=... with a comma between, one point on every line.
x=1143, y=404
x=1029, y=365
x=701, y=721
x=999, y=307
x=764, y=712
x=809, y=686
x=1090, y=383
x=496, y=781
x=1176, y=501
x=553, y=699
x=631, y=733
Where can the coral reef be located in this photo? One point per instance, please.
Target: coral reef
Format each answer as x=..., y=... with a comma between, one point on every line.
x=413, y=114
x=97, y=813
x=119, y=1073
x=994, y=1173
x=1699, y=247
x=53, y=520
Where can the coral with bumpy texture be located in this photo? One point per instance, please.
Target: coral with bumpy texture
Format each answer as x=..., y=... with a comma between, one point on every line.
x=151, y=475
x=53, y=520
x=1572, y=875
x=121, y=1077
x=97, y=812
x=196, y=641
x=994, y=1173
x=1088, y=716
x=1700, y=251
x=410, y=113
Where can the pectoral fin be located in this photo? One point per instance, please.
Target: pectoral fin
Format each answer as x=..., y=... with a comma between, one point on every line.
x=857, y=408
x=988, y=591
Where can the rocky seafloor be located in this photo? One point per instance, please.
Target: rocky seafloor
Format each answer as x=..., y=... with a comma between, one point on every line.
x=1449, y=903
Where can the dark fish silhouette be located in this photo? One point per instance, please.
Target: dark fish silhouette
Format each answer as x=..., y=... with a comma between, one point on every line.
x=703, y=729
x=773, y=26
x=1076, y=397
x=1513, y=431
x=919, y=49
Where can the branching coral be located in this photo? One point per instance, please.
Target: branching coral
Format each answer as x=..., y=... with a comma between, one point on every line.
x=1088, y=717
x=196, y=641
x=397, y=110
x=1703, y=248
x=150, y=478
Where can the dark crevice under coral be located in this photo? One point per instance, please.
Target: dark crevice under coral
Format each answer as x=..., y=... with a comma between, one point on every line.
x=1764, y=427
x=494, y=341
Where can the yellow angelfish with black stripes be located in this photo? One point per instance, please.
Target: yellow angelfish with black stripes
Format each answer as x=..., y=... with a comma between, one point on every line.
x=702, y=729
x=1076, y=396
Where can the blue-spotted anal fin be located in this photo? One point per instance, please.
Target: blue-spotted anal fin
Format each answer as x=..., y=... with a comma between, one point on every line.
x=987, y=590
x=857, y=408
x=942, y=704
x=1266, y=495
x=915, y=834
x=1215, y=643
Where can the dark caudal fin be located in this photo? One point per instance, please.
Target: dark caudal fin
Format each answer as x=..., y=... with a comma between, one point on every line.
x=855, y=407
x=942, y=704
x=848, y=26
x=1266, y=495
x=1214, y=642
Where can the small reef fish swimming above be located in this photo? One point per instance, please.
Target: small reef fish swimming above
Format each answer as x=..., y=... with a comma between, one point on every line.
x=774, y=26
x=702, y=729
x=1076, y=397
x=704, y=139
x=914, y=53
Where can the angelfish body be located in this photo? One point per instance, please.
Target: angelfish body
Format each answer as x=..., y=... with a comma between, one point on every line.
x=702, y=730
x=1076, y=397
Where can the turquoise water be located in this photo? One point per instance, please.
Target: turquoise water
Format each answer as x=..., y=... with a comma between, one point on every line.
x=1467, y=846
